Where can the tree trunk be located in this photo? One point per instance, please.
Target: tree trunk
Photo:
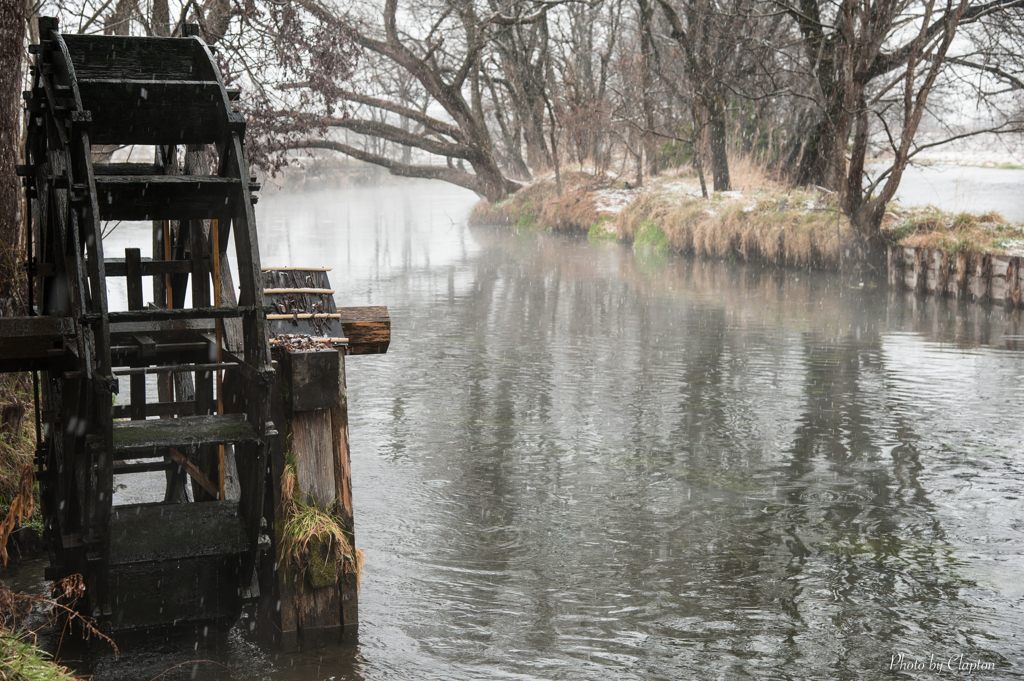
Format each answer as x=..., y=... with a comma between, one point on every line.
x=13, y=15
x=646, y=11
x=161, y=21
x=717, y=125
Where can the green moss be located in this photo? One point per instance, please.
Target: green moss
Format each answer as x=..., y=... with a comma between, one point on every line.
x=649, y=240
x=527, y=221
x=602, y=231
x=323, y=568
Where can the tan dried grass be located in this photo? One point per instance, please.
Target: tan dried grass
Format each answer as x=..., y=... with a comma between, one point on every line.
x=765, y=227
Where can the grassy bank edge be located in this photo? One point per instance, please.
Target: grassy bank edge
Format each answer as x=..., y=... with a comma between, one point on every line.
x=21, y=660
x=788, y=227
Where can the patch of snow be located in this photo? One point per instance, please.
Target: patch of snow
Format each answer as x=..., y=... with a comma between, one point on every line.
x=684, y=188
x=1013, y=246
x=612, y=201
x=733, y=194
x=750, y=209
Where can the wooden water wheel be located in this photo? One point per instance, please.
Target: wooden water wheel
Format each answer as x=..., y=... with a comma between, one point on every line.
x=166, y=562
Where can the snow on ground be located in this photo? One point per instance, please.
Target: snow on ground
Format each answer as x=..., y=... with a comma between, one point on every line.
x=612, y=201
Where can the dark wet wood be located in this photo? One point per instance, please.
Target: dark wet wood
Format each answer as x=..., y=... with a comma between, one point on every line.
x=149, y=267
x=129, y=57
x=149, y=467
x=158, y=409
x=313, y=379
x=133, y=169
x=183, y=432
x=133, y=274
x=31, y=343
x=167, y=197
x=135, y=111
x=189, y=313
x=168, y=532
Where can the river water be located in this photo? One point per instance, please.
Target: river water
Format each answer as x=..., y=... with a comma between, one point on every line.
x=577, y=464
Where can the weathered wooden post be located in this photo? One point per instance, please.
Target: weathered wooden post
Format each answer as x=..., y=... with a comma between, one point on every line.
x=309, y=577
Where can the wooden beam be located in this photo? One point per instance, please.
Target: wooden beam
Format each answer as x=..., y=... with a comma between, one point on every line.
x=194, y=472
x=271, y=291
x=296, y=269
x=306, y=315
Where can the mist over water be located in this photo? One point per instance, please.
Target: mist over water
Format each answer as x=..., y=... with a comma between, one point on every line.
x=574, y=464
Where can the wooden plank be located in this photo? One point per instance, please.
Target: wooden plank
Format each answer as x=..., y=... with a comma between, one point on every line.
x=137, y=383
x=175, y=369
x=347, y=586
x=306, y=315
x=167, y=197
x=314, y=457
x=150, y=467
x=162, y=408
x=296, y=269
x=252, y=463
x=186, y=431
x=135, y=111
x=143, y=533
x=194, y=472
x=149, y=267
x=155, y=314
x=133, y=273
x=175, y=593
x=34, y=343
x=319, y=291
x=134, y=57
x=162, y=330
x=36, y=327
x=135, y=169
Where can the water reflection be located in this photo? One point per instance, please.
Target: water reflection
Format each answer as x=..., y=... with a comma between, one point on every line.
x=573, y=466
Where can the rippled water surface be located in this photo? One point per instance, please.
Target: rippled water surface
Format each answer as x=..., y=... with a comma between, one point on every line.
x=572, y=464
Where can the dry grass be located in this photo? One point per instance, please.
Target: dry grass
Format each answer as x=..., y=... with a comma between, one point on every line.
x=795, y=228
x=539, y=205
x=932, y=228
x=746, y=175
x=763, y=221
x=311, y=541
x=17, y=437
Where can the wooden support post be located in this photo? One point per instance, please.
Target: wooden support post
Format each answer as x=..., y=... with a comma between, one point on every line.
x=896, y=267
x=137, y=384
x=1013, y=282
x=963, y=266
x=309, y=405
x=920, y=270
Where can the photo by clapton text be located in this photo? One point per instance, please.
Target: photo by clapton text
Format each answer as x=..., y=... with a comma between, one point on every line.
x=953, y=663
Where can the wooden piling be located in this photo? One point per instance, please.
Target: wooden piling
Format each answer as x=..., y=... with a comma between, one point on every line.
x=309, y=403
x=981, y=277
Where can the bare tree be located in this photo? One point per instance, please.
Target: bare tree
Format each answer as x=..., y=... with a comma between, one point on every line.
x=13, y=17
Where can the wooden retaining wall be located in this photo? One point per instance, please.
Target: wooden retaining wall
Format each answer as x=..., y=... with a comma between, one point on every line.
x=971, y=276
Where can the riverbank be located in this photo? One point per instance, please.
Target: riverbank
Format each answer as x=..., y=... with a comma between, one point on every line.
x=764, y=221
